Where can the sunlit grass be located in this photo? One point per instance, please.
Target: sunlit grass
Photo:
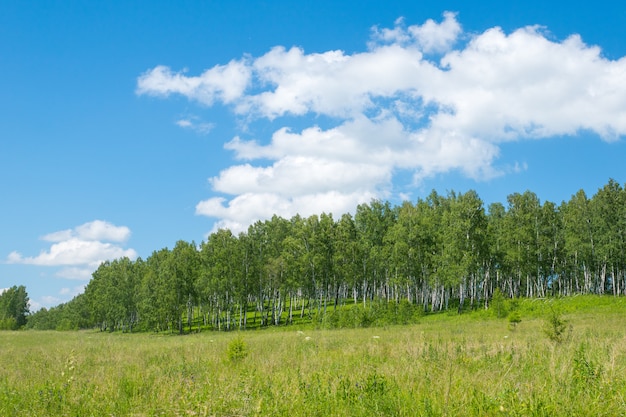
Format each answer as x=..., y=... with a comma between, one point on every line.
x=470, y=365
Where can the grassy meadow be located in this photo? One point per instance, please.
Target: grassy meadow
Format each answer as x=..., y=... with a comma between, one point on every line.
x=473, y=364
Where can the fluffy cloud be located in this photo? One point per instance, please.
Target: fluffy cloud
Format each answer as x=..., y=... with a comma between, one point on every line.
x=91, y=231
x=425, y=99
x=430, y=37
x=222, y=82
x=82, y=249
x=238, y=213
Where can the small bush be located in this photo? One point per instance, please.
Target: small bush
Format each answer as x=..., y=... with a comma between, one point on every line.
x=556, y=327
x=237, y=349
x=65, y=325
x=405, y=312
x=585, y=372
x=514, y=319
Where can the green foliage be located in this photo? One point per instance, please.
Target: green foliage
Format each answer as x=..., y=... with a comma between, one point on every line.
x=72, y=315
x=13, y=308
x=66, y=324
x=586, y=372
x=391, y=313
x=515, y=318
x=9, y=324
x=440, y=253
x=448, y=364
x=555, y=327
x=377, y=314
x=237, y=349
x=498, y=304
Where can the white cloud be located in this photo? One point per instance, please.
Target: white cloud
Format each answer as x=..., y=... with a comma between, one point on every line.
x=222, y=82
x=331, y=83
x=184, y=123
x=437, y=37
x=95, y=230
x=296, y=175
x=429, y=37
x=81, y=274
x=505, y=87
x=79, y=251
x=64, y=295
x=46, y=300
x=101, y=230
x=59, y=236
x=34, y=305
x=74, y=252
x=193, y=123
x=72, y=291
x=85, y=246
x=426, y=99
x=14, y=257
x=238, y=213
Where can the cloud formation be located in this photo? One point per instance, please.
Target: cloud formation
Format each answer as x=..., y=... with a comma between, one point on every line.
x=195, y=124
x=81, y=249
x=224, y=83
x=422, y=99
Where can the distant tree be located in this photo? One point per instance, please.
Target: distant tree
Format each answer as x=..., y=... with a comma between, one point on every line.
x=609, y=222
x=439, y=251
x=495, y=265
x=462, y=237
x=156, y=299
x=184, y=265
x=13, y=308
x=579, y=248
x=372, y=222
x=522, y=243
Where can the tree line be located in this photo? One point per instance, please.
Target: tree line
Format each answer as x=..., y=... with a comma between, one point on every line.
x=13, y=307
x=441, y=252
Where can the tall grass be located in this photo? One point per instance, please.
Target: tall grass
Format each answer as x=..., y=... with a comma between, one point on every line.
x=447, y=365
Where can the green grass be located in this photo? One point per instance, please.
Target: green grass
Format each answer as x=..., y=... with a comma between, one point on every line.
x=446, y=365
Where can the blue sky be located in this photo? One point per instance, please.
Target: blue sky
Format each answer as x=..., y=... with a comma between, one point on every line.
x=129, y=125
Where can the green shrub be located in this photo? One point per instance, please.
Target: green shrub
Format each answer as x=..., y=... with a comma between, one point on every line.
x=237, y=349
x=514, y=319
x=556, y=328
x=65, y=325
x=405, y=312
x=498, y=304
x=8, y=324
x=585, y=372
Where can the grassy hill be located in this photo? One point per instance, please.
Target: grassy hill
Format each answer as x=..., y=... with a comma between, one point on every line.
x=474, y=364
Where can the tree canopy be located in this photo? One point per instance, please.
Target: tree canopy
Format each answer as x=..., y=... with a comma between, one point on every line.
x=13, y=308
x=436, y=253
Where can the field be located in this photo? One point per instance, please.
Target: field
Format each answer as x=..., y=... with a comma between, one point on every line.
x=472, y=364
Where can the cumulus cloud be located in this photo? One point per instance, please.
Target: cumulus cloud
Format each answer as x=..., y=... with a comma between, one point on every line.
x=91, y=231
x=82, y=249
x=222, y=82
x=425, y=99
x=237, y=214
x=429, y=37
